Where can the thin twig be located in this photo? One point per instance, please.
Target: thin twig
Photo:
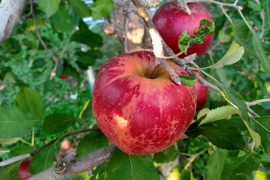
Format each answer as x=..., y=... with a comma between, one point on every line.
x=14, y=159
x=126, y=14
x=55, y=59
x=182, y=4
x=24, y=156
x=233, y=5
x=66, y=135
x=257, y=102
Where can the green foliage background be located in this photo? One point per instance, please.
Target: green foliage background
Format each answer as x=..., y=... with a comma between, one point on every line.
x=225, y=145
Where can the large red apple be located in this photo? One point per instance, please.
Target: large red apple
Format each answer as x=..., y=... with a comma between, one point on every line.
x=24, y=170
x=137, y=105
x=202, y=94
x=171, y=21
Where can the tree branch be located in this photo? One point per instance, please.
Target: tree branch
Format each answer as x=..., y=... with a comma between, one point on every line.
x=11, y=11
x=55, y=59
x=25, y=156
x=68, y=166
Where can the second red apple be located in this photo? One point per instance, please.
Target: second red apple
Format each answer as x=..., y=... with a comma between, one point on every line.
x=171, y=21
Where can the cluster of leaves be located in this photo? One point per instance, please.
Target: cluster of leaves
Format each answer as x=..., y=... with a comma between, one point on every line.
x=224, y=142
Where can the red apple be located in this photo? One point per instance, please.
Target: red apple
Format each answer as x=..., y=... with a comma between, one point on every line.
x=65, y=145
x=202, y=94
x=137, y=105
x=171, y=21
x=24, y=171
x=63, y=76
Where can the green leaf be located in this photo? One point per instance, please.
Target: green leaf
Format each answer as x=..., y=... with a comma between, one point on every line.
x=49, y=6
x=166, y=155
x=80, y=8
x=243, y=36
x=29, y=100
x=131, y=167
x=223, y=135
x=9, y=172
x=188, y=80
x=22, y=150
x=259, y=49
x=91, y=142
x=233, y=55
x=220, y=113
x=240, y=168
x=262, y=126
x=43, y=160
x=87, y=37
x=102, y=8
x=62, y=20
x=222, y=37
x=31, y=26
x=89, y=58
x=185, y=41
x=15, y=123
x=215, y=164
x=56, y=123
x=238, y=102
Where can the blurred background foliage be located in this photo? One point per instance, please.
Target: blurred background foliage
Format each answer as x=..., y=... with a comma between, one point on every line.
x=80, y=42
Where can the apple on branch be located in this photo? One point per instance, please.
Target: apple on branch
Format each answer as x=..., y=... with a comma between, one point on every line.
x=65, y=145
x=137, y=105
x=171, y=21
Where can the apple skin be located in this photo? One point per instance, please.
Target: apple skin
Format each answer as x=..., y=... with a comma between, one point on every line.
x=65, y=145
x=202, y=94
x=141, y=115
x=63, y=77
x=24, y=171
x=171, y=21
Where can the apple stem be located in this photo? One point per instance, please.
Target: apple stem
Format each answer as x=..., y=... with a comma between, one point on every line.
x=182, y=4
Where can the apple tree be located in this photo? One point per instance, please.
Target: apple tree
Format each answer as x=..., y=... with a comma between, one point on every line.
x=182, y=89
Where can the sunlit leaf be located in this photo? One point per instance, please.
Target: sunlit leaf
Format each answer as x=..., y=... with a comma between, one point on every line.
x=220, y=113
x=102, y=8
x=49, y=6
x=233, y=55
x=222, y=37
